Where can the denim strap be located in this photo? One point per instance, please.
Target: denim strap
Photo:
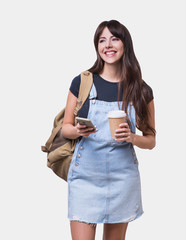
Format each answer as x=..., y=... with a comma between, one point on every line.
x=93, y=92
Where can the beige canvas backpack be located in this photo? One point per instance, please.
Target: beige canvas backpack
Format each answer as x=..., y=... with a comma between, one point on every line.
x=59, y=149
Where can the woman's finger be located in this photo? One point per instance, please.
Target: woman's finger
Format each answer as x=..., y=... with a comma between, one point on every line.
x=122, y=139
x=119, y=130
x=86, y=134
x=123, y=125
x=81, y=126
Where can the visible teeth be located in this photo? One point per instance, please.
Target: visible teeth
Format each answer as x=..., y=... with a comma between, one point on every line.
x=109, y=53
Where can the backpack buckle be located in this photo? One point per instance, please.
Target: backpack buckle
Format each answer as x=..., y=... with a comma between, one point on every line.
x=87, y=73
x=78, y=106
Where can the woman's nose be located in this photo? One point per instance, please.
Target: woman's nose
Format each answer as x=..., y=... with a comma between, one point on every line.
x=108, y=44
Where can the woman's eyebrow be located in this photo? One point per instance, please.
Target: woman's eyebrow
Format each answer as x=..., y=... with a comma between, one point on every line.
x=105, y=37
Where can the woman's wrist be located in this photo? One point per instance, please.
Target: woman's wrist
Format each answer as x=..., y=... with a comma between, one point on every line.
x=76, y=134
x=132, y=138
x=70, y=131
x=144, y=142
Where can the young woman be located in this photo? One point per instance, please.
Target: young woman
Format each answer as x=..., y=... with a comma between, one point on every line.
x=103, y=178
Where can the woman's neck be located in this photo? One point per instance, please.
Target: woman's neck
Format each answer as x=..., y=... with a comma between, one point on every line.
x=111, y=72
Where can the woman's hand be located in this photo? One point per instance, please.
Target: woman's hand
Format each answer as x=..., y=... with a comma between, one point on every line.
x=84, y=131
x=124, y=133
x=147, y=140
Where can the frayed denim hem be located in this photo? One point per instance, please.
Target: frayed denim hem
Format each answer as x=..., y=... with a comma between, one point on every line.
x=91, y=224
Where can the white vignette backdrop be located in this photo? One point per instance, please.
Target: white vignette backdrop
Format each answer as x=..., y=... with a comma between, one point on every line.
x=43, y=46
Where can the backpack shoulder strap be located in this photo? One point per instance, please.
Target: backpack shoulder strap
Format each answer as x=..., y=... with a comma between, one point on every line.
x=84, y=90
x=85, y=87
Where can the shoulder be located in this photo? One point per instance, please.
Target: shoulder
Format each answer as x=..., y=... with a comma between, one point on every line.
x=76, y=80
x=74, y=87
x=147, y=91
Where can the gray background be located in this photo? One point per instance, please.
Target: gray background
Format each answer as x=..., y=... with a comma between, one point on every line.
x=43, y=46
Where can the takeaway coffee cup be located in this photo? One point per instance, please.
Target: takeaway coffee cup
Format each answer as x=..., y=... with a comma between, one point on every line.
x=115, y=119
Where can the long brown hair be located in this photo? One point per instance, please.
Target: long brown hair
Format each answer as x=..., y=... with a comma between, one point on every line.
x=134, y=90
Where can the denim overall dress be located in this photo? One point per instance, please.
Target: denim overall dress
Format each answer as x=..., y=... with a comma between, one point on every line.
x=103, y=178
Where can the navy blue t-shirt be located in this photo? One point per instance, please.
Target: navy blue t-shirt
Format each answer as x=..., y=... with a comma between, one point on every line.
x=106, y=91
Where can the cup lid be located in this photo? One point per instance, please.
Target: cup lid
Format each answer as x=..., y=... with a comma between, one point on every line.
x=116, y=114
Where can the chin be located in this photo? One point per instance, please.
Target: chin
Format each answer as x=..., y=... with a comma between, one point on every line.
x=112, y=62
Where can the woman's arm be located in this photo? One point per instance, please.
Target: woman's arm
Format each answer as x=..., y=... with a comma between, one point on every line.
x=147, y=141
x=69, y=130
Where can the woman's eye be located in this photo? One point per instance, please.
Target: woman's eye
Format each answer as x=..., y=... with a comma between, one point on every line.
x=115, y=39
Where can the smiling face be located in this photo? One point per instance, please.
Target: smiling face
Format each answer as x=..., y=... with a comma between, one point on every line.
x=110, y=48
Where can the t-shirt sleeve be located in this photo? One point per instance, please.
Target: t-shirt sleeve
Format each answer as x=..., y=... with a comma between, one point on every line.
x=148, y=92
x=74, y=88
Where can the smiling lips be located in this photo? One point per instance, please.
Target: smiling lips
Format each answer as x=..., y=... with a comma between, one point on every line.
x=110, y=53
